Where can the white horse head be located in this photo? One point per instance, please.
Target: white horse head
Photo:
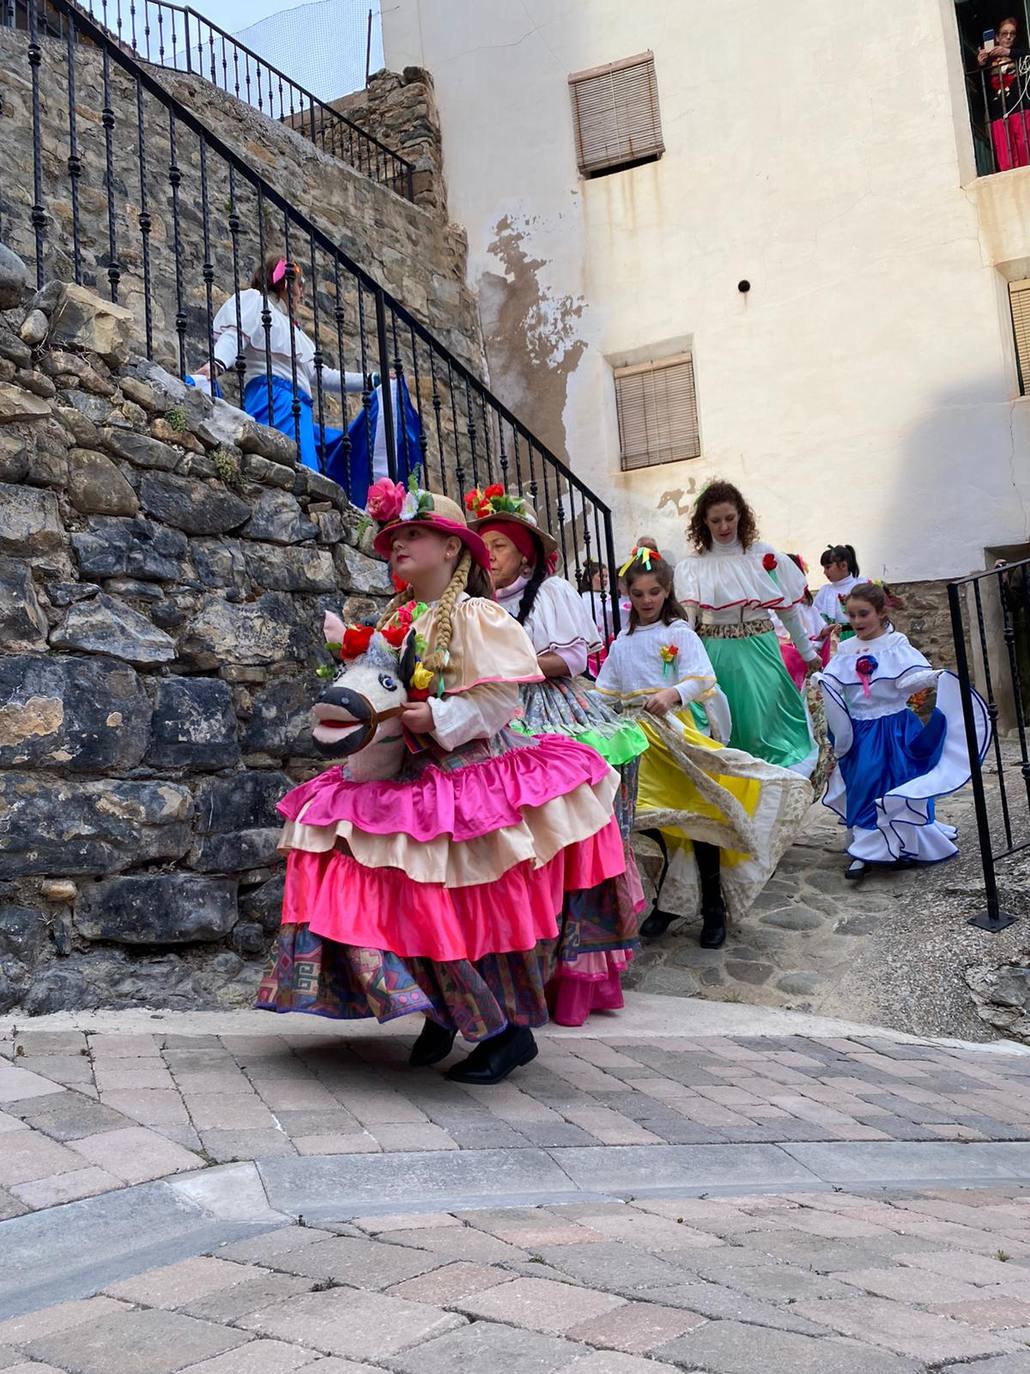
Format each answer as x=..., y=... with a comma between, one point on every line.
x=357, y=718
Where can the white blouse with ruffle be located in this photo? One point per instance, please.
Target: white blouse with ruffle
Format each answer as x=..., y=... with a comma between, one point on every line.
x=559, y=623
x=730, y=585
x=828, y=601
x=635, y=669
x=897, y=670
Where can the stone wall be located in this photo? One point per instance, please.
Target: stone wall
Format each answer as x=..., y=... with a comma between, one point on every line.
x=411, y=251
x=399, y=108
x=926, y=620
x=164, y=569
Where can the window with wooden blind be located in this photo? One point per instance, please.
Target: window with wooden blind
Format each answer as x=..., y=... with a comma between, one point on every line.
x=1019, y=301
x=616, y=116
x=657, y=408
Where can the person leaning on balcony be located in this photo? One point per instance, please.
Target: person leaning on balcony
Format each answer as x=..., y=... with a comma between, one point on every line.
x=1007, y=89
x=282, y=284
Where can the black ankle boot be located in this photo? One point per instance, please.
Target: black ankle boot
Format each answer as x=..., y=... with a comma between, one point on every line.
x=713, y=928
x=713, y=907
x=433, y=1044
x=494, y=1059
x=656, y=924
x=856, y=870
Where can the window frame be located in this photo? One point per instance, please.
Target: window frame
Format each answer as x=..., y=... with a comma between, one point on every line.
x=651, y=367
x=597, y=166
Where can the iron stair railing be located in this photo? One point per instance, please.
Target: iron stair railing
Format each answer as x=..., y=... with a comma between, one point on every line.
x=181, y=213
x=180, y=38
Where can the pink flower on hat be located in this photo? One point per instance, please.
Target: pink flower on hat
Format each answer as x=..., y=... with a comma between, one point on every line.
x=385, y=500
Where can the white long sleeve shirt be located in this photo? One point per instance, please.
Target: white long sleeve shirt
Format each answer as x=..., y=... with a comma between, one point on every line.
x=559, y=623
x=730, y=585
x=249, y=338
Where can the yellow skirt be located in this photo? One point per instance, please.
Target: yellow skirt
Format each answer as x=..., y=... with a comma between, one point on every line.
x=692, y=788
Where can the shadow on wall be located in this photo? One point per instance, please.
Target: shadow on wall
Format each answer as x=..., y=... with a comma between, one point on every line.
x=959, y=485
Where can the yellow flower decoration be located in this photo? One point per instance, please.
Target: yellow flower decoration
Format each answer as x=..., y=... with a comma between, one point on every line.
x=421, y=678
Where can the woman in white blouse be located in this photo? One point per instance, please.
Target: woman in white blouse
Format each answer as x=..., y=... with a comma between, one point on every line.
x=729, y=586
x=238, y=331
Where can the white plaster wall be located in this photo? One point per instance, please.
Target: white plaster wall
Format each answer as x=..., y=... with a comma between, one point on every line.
x=865, y=389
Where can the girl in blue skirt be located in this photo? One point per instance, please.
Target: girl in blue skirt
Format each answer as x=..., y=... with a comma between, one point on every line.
x=891, y=765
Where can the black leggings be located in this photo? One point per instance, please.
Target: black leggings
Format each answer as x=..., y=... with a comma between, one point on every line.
x=708, y=864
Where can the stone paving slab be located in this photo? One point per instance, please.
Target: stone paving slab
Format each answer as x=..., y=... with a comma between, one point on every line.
x=143, y=1106
x=312, y=1299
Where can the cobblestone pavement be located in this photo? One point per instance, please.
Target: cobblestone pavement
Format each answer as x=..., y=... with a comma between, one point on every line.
x=83, y=1114
x=891, y=950
x=843, y=1283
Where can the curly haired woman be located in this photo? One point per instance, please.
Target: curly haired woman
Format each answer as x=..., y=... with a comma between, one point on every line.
x=729, y=586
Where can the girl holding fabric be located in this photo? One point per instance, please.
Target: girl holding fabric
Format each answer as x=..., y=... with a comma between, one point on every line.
x=724, y=818
x=441, y=891
x=890, y=765
x=729, y=586
x=522, y=558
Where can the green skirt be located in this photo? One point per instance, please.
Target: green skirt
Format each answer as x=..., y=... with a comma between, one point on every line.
x=769, y=717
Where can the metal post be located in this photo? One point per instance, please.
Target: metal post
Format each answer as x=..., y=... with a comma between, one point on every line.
x=993, y=919
x=368, y=50
x=385, y=390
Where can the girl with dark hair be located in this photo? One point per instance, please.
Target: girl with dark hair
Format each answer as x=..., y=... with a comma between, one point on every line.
x=722, y=818
x=729, y=586
x=522, y=559
x=890, y=765
x=840, y=564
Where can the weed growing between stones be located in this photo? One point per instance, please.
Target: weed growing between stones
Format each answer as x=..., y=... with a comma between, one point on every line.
x=227, y=466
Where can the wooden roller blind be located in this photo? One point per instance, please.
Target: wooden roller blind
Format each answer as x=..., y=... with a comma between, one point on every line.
x=657, y=408
x=1019, y=300
x=616, y=115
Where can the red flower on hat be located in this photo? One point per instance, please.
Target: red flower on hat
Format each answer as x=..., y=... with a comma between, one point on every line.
x=356, y=639
x=496, y=489
x=769, y=562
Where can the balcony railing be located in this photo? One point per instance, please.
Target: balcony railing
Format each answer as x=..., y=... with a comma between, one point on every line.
x=999, y=104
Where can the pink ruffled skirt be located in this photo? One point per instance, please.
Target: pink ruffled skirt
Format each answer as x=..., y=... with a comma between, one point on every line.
x=456, y=891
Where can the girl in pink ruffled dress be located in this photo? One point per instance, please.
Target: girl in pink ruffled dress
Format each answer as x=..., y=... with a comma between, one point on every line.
x=443, y=891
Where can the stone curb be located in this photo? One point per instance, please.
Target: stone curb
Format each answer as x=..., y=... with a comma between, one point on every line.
x=70, y=1251
x=646, y=1015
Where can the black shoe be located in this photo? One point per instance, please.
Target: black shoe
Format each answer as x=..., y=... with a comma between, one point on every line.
x=656, y=924
x=856, y=869
x=433, y=1044
x=494, y=1059
x=713, y=928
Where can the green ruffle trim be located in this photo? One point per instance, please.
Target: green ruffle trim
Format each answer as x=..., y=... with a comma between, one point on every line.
x=620, y=745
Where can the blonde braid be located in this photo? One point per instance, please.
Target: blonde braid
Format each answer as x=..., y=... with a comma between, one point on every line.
x=438, y=658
